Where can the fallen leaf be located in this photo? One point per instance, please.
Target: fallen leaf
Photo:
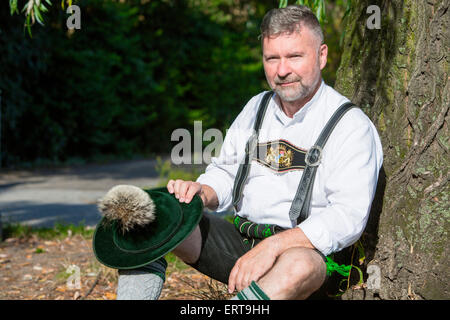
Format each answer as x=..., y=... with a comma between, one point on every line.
x=24, y=264
x=110, y=296
x=61, y=289
x=45, y=271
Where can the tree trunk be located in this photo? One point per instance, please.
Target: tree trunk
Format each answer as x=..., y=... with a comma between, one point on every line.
x=399, y=76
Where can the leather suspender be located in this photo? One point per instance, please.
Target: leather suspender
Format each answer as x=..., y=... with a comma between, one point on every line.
x=244, y=167
x=302, y=200
x=300, y=205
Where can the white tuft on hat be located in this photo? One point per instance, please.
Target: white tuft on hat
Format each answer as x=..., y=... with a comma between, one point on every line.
x=129, y=205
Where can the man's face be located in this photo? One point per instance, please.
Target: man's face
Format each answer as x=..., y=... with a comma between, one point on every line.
x=292, y=63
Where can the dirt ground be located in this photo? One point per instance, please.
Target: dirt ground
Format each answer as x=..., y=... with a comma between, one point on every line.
x=37, y=269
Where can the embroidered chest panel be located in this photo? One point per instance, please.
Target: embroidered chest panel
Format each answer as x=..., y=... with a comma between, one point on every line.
x=280, y=155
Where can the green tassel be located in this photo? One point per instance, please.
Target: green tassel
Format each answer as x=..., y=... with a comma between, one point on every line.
x=334, y=267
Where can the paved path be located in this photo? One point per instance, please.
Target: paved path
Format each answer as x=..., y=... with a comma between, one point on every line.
x=43, y=197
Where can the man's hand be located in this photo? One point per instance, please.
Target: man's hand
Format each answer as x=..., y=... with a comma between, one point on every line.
x=184, y=191
x=258, y=261
x=254, y=264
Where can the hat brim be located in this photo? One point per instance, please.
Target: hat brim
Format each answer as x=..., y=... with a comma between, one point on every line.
x=111, y=256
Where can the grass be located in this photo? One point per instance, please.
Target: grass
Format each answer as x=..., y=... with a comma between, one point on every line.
x=167, y=172
x=59, y=231
x=174, y=263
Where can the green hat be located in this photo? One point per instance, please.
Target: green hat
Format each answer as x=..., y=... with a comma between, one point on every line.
x=142, y=225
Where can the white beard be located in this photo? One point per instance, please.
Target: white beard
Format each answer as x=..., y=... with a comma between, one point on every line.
x=293, y=93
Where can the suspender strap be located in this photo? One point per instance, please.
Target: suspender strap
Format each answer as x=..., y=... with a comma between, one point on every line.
x=244, y=167
x=300, y=205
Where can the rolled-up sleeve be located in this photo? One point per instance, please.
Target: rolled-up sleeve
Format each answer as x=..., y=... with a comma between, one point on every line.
x=352, y=160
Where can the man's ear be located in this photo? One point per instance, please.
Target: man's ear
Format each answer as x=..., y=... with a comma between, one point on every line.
x=323, y=54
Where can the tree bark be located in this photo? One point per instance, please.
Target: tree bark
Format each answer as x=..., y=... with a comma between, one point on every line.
x=399, y=76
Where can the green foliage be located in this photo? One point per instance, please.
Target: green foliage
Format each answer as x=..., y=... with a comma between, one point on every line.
x=317, y=6
x=166, y=172
x=59, y=231
x=127, y=79
x=122, y=83
x=33, y=11
x=175, y=263
x=344, y=284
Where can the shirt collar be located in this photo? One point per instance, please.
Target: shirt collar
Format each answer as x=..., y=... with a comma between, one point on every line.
x=300, y=114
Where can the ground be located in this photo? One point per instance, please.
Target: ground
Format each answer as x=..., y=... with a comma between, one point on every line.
x=36, y=269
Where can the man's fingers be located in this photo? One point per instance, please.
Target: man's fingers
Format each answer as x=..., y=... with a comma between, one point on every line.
x=241, y=280
x=242, y=275
x=170, y=185
x=176, y=187
x=232, y=278
x=183, y=189
x=193, y=189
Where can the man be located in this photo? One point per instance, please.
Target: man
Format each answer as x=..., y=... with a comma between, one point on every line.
x=291, y=263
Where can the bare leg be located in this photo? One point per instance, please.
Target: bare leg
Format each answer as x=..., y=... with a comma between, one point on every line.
x=189, y=249
x=296, y=274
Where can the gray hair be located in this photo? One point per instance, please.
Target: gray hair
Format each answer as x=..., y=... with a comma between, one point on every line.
x=289, y=20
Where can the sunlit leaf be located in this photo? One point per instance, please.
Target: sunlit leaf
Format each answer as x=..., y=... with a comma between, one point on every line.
x=13, y=6
x=28, y=25
x=361, y=279
x=283, y=3
x=37, y=15
x=361, y=252
x=43, y=8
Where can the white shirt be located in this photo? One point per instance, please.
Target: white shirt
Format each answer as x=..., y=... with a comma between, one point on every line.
x=345, y=181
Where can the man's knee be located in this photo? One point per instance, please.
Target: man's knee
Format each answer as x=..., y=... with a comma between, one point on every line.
x=189, y=250
x=302, y=262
